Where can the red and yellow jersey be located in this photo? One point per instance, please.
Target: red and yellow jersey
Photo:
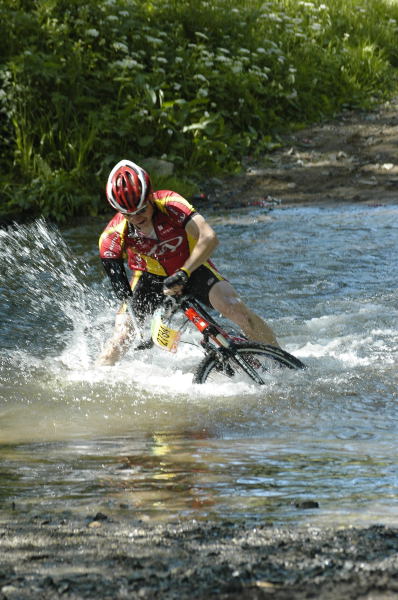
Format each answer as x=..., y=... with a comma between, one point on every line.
x=166, y=251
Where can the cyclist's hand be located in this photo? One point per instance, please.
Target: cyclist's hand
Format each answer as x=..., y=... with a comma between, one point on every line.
x=175, y=284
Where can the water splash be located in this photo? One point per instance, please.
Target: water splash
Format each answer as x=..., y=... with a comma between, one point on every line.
x=54, y=317
x=44, y=291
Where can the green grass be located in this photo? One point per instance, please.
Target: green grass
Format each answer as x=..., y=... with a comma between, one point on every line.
x=198, y=83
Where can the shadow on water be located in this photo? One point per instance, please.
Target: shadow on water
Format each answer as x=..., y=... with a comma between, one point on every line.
x=141, y=439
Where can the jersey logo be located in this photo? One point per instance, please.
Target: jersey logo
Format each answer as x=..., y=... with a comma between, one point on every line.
x=109, y=254
x=165, y=229
x=138, y=262
x=166, y=246
x=180, y=216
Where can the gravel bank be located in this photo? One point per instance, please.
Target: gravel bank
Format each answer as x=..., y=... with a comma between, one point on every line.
x=103, y=559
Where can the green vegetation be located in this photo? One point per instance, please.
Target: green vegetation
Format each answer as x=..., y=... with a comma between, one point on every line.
x=200, y=83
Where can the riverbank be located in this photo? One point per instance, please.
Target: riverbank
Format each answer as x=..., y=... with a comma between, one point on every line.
x=104, y=559
x=352, y=158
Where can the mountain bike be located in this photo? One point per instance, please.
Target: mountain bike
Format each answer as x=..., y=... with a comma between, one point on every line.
x=227, y=357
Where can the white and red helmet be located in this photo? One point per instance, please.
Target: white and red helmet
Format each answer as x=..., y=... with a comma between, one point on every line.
x=128, y=187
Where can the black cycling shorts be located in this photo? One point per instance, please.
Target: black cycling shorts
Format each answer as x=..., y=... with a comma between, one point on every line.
x=148, y=289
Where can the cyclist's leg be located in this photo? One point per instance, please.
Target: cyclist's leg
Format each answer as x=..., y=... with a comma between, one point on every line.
x=117, y=345
x=147, y=295
x=224, y=299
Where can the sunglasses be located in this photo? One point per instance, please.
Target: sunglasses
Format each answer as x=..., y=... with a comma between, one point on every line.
x=138, y=212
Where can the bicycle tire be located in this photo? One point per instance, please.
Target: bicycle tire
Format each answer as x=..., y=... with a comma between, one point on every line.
x=262, y=357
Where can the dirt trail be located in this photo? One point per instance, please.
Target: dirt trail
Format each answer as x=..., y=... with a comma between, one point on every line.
x=353, y=157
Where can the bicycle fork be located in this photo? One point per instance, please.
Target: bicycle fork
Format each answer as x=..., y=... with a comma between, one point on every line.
x=226, y=354
x=247, y=368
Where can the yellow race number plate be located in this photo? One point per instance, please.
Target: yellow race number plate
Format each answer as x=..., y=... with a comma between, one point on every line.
x=163, y=336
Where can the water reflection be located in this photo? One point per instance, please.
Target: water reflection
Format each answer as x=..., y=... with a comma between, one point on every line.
x=170, y=476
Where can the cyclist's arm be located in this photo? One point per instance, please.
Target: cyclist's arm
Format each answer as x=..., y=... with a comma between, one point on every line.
x=116, y=272
x=207, y=241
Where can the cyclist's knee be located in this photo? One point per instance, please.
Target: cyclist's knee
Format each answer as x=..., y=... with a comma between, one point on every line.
x=235, y=310
x=223, y=298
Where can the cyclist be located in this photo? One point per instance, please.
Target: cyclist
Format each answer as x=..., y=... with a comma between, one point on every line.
x=168, y=246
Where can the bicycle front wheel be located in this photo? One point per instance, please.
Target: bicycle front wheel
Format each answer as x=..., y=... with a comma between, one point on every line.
x=249, y=362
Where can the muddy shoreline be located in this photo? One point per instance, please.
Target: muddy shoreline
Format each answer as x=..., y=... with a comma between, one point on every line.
x=104, y=559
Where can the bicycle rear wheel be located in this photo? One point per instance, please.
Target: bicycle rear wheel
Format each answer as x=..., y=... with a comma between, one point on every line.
x=256, y=362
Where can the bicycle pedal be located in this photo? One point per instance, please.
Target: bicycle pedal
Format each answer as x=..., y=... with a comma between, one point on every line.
x=144, y=345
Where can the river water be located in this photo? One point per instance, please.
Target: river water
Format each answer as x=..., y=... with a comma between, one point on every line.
x=140, y=441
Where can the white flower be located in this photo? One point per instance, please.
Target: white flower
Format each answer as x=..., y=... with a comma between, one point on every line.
x=128, y=63
x=273, y=17
x=92, y=32
x=237, y=68
x=112, y=18
x=201, y=35
x=200, y=77
x=120, y=46
x=316, y=27
x=153, y=40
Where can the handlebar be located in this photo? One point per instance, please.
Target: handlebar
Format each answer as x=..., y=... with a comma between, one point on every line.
x=171, y=304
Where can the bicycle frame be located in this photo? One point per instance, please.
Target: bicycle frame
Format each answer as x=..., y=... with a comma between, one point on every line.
x=215, y=339
x=222, y=349
x=198, y=316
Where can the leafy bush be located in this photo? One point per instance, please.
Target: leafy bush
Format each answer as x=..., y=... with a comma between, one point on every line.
x=199, y=83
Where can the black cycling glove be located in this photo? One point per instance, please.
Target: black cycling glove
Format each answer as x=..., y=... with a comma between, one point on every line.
x=180, y=277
